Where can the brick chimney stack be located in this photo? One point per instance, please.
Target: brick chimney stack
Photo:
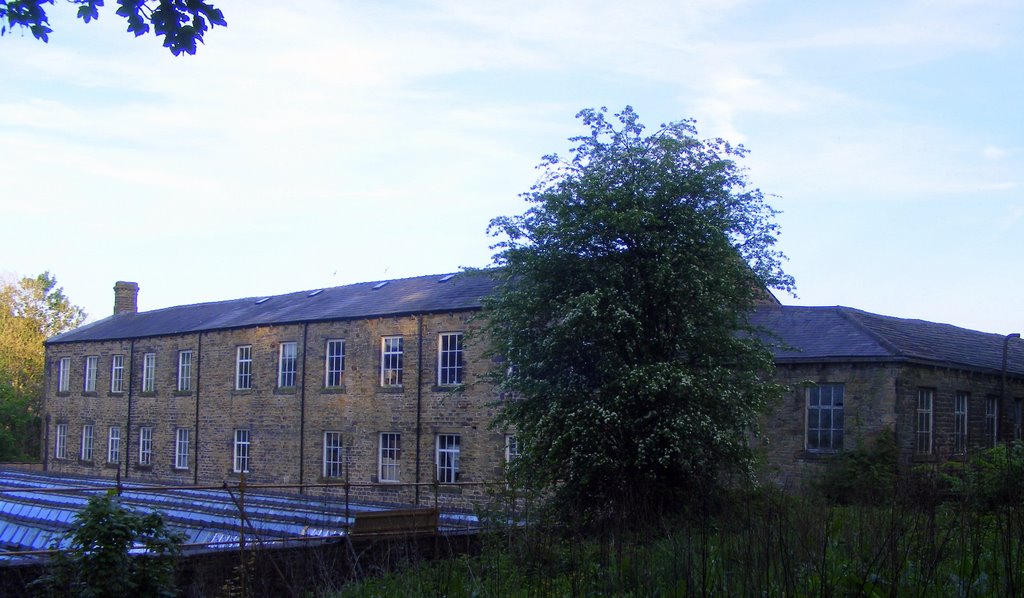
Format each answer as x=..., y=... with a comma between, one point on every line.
x=126, y=297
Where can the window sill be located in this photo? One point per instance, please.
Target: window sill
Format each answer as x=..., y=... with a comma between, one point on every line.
x=807, y=455
x=333, y=390
x=115, y=394
x=143, y=467
x=149, y=394
x=921, y=458
x=110, y=465
x=450, y=388
x=449, y=489
x=392, y=390
x=87, y=462
x=182, y=393
x=286, y=390
x=241, y=392
x=89, y=393
x=63, y=393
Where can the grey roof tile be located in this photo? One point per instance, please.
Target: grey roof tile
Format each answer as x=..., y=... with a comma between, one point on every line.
x=798, y=334
x=422, y=294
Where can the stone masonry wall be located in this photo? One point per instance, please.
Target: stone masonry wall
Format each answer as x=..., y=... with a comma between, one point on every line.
x=286, y=426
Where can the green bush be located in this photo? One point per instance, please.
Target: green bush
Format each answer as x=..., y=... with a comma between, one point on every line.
x=111, y=551
x=866, y=475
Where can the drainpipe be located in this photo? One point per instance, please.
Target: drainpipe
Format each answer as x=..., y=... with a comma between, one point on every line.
x=131, y=386
x=46, y=445
x=1002, y=386
x=302, y=414
x=199, y=373
x=419, y=399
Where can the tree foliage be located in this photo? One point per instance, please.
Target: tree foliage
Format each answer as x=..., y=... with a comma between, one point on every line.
x=621, y=316
x=182, y=23
x=113, y=551
x=31, y=310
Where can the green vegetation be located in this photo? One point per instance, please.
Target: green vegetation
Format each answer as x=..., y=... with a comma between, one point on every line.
x=627, y=285
x=182, y=23
x=98, y=558
x=31, y=310
x=763, y=542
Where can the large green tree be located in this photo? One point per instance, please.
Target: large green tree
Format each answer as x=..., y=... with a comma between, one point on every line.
x=31, y=310
x=182, y=23
x=622, y=317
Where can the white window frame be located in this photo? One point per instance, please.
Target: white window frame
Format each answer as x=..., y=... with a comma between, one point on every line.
x=146, y=445
x=88, y=439
x=149, y=372
x=392, y=353
x=243, y=367
x=64, y=374
x=447, y=454
x=511, y=448
x=92, y=363
x=181, y=442
x=389, y=453
x=117, y=373
x=449, y=359
x=286, y=364
x=184, y=383
x=60, y=445
x=991, y=421
x=1018, y=417
x=924, y=421
x=240, y=452
x=825, y=418
x=961, y=402
x=334, y=362
x=114, y=444
x=334, y=455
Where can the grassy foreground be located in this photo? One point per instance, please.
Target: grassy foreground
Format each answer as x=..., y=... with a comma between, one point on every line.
x=956, y=533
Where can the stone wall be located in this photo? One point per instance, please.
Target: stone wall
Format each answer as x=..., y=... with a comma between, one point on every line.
x=286, y=425
x=880, y=395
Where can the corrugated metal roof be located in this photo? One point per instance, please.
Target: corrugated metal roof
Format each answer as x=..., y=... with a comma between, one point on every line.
x=422, y=294
x=807, y=334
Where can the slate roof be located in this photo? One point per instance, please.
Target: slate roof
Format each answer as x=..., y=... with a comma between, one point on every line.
x=796, y=334
x=422, y=294
x=815, y=334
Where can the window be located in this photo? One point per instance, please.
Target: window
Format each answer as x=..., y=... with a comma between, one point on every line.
x=91, y=364
x=184, y=371
x=243, y=368
x=333, y=463
x=448, y=458
x=1018, y=415
x=286, y=366
x=511, y=448
x=391, y=361
x=825, y=417
x=991, y=421
x=64, y=374
x=923, y=430
x=117, y=373
x=87, y=440
x=181, y=448
x=334, y=365
x=114, y=444
x=449, y=359
x=60, y=448
x=145, y=446
x=241, y=453
x=960, y=422
x=390, y=451
x=149, y=372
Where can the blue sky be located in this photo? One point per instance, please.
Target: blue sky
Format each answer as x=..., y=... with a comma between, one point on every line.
x=320, y=143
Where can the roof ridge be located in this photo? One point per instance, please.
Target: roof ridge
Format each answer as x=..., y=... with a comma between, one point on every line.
x=852, y=315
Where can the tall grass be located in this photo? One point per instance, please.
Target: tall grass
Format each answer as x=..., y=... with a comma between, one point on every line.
x=942, y=532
